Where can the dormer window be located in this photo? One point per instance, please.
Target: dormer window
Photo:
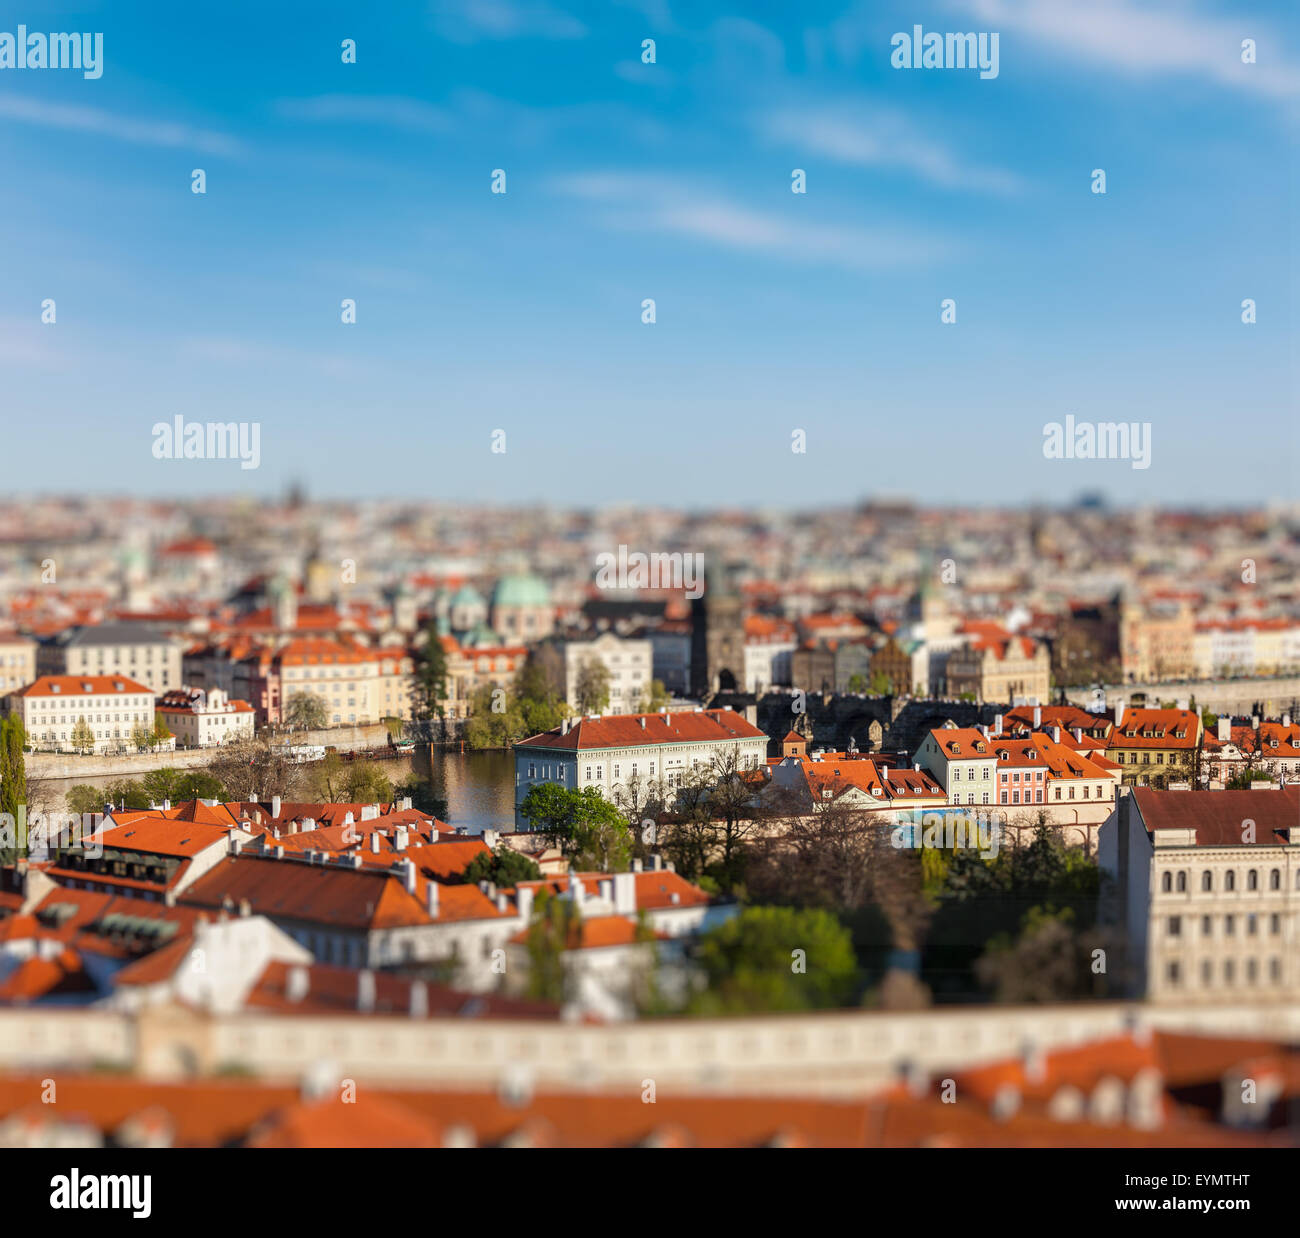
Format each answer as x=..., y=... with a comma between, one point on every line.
x=979, y=746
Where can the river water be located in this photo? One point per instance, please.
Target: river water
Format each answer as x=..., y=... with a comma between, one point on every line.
x=479, y=788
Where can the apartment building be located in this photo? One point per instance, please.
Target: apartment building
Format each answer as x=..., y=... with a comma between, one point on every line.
x=962, y=760
x=359, y=684
x=1207, y=893
x=1154, y=746
x=113, y=707
x=130, y=649
x=203, y=719
x=1015, y=669
x=17, y=661
x=608, y=752
x=630, y=664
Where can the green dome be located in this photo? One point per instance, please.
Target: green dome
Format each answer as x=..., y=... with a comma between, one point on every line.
x=467, y=595
x=520, y=591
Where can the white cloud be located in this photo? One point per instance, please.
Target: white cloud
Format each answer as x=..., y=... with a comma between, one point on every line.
x=81, y=119
x=876, y=137
x=469, y=21
x=647, y=201
x=1145, y=40
x=393, y=111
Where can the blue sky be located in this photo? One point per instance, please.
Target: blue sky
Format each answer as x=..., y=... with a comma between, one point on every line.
x=671, y=181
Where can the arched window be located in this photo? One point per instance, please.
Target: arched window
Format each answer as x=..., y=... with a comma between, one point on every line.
x=1207, y=880
x=1167, y=883
x=1252, y=880
x=1182, y=883
x=1230, y=880
x=1275, y=880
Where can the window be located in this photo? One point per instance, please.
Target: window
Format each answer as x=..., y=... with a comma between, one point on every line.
x=1275, y=880
x=1228, y=971
x=1252, y=880
x=1175, y=926
x=1166, y=883
x=1207, y=881
x=1230, y=880
x=1173, y=972
x=1182, y=883
x=1205, y=926
x=1229, y=925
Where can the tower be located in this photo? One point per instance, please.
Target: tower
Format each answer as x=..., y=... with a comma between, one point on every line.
x=717, y=638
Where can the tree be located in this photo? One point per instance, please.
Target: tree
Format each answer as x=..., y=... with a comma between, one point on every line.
x=775, y=959
x=857, y=683
x=652, y=699
x=881, y=684
x=84, y=799
x=160, y=734
x=1048, y=961
x=589, y=830
x=13, y=768
x=140, y=737
x=179, y=785
x=250, y=766
x=307, y=712
x=504, y=867
x=540, y=706
x=423, y=795
x=429, y=678
x=335, y=781
x=592, y=687
x=83, y=738
x=555, y=923
x=495, y=720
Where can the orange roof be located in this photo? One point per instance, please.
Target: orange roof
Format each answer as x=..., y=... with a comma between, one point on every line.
x=162, y=835
x=639, y=730
x=83, y=685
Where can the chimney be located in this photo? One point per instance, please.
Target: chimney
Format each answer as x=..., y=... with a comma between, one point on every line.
x=400, y=838
x=564, y=727
x=1182, y=704
x=236, y=844
x=1224, y=729
x=997, y=723
x=1078, y=734
x=374, y=843
x=607, y=889
x=1254, y=722
x=1119, y=713
x=408, y=875
x=641, y=720
x=503, y=904
x=431, y=899
x=245, y=908
x=1038, y=717
x=984, y=729
x=491, y=838
x=656, y=863
x=1286, y=721
x=524, y=902
x=275, y=805
x=349, y=820
x=406, y=803
x=1055, y=733
x=366, y=990
x=252, y=797
x=299, y=983
x=636, y=866
x=279, y=853
x=419, y=1000
x=369, y=812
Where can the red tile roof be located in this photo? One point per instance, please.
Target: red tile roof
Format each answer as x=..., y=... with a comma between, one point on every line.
x=638, y=730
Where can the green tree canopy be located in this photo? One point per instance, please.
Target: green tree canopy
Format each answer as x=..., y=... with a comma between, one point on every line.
x=774, y=959
x=589, y=831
